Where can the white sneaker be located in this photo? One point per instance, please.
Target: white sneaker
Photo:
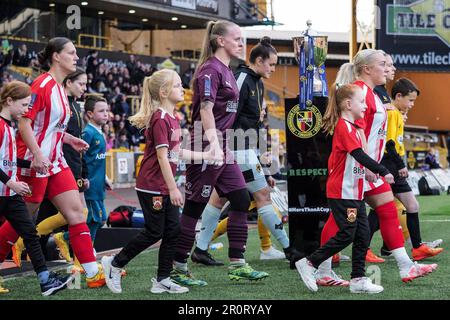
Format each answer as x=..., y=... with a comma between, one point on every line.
x=433, y=244
x=364, y=285
x=307, y=273
x=272, y=254
x=167, y=285
x=113, y=275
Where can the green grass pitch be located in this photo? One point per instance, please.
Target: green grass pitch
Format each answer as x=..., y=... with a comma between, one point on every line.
x=283, y=284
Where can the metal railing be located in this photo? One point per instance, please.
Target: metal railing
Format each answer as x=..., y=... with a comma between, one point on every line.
x=105, y=42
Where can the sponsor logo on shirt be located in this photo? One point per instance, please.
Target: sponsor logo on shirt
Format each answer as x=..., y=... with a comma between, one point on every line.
x=358, y=171
x=207, y=85
x=32, y=101
x=232, y=106
x=228, y=84
x=382, y=132
x=61, y=126
x=100, y=156
x=9, y=164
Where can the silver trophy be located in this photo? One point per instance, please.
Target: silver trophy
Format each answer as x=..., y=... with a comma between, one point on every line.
x=320, y=56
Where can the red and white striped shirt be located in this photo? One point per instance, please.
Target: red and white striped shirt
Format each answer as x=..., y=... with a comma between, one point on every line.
x=8, y=151
x=374, y=124
x=50, y=113
x=345, y=174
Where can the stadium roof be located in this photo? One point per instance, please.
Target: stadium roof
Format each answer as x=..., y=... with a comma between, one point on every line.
x=282, y=35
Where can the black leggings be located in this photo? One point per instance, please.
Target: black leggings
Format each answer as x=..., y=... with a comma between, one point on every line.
x=16, y=213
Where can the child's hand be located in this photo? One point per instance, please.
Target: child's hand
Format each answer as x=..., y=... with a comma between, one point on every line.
x=86, y=183
x=21, y=188
x=389, y=178
x=176, y=198
x=271, y=182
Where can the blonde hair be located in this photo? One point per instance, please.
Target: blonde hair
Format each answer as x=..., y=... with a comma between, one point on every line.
x=15, y=90
x=349, y=72
x=151, y=97
x=214, y=30
x=338, y=94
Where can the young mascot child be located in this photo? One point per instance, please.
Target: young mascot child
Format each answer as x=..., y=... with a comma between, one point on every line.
x=345, y=190
x=156, y=188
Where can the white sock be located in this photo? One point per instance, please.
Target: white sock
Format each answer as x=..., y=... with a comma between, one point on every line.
x=237, y=263
x=325, y=268
x=91, y=269
x=404, y=263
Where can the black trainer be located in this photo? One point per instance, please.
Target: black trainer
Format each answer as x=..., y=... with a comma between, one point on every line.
x=54, y=284
x=204, y=257
x=292, y=255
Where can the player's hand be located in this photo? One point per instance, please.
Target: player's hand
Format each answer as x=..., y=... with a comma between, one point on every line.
x=271, y=182
x=40, y=163
x=266, y=158
x=217, y=155
x=86, y=183
x=370, y=176
x=389, y=178
x=390, y=106
x=403, y=173
x=21, y=188
x=176, y=198
x=78, y=144
x=214, y=156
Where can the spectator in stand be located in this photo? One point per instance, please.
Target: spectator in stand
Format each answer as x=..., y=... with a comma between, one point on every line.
x=432, y=159
x=116, y=122
x=122, y=106
x=21, y=57
x=90, y=65
x=110, y=141
x=131, y=64
x=122, y=140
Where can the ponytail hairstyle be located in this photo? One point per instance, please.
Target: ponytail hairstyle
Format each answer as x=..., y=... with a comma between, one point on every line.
x=214, y=29
x=364, y=58
x=73, y=76
x=15, y=90
x=263, y=49
x=151, y=99
x=45, y=57
x=338, y=95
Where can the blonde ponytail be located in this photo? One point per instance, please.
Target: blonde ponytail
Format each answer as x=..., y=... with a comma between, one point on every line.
x=151, y=99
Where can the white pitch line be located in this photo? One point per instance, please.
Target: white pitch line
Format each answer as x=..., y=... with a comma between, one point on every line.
x=445, y=220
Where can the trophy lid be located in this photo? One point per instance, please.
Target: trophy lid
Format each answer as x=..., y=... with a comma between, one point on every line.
x=310, y=32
